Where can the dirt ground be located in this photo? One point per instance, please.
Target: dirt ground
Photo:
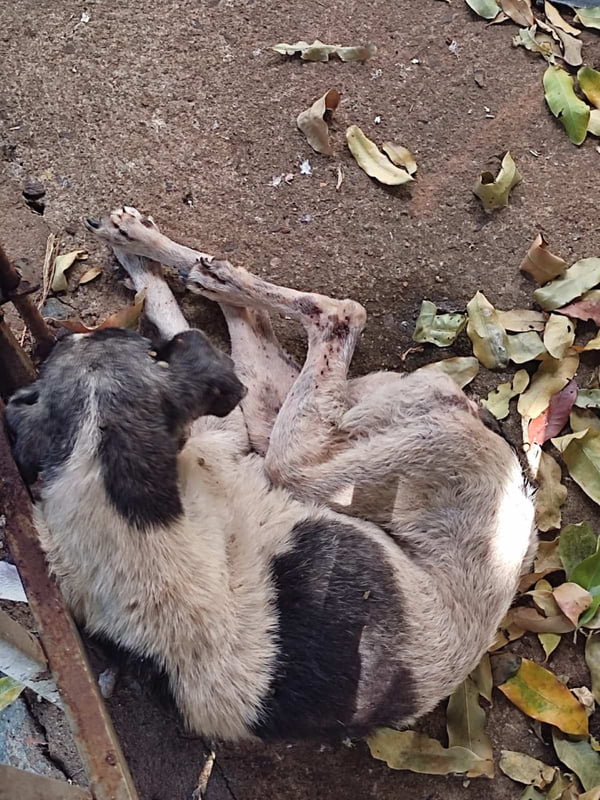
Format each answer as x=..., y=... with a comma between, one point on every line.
x=181, y=109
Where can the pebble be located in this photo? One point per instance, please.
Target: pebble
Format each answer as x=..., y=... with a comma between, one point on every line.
x=33, y=189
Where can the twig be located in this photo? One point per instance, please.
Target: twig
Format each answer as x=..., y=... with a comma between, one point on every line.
x=199, y=792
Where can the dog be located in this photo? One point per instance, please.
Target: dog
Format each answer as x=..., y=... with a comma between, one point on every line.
x=301, y=554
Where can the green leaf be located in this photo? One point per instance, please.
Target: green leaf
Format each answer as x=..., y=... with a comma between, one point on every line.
x=418, y=753
x=372, y=160
x=540, y=695
x=587, y=575
x=488, y=9
x=438, y=329
x=592, y=659
x=525, y=769
x=489, y=339
x=576, y=543
x=572, y=112
x=482, y=678
x=581, y=454
x=465, y=722
x=579, y=757
x=578, y=279
x=549, y=642
x=590, y=17
x=462, y=369
x=527, y=346
x=588, y=398
x=589, y=83
x=9, y=691
x=494, y=191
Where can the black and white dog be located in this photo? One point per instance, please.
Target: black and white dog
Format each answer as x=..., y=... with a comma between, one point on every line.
x=300, y=553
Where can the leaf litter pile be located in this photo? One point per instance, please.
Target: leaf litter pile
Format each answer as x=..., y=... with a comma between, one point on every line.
x=561, y=597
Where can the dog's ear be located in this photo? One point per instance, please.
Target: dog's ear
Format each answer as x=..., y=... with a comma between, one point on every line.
x=27, y=432
x=200, y=379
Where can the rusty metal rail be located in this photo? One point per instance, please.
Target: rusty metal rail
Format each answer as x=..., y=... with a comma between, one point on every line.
x=90, y=724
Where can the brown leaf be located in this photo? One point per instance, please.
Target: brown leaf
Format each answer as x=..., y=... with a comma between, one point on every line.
x=123, y=318
x=554, y=418
x=312, y=121
x=540, y=263
x=572, y=600
x=571, y=48
x=400, y=156
x=523, y=319
x=528, y=619
x=551, y=494
x=89, y=275
x=557, y=20
x=519, y=11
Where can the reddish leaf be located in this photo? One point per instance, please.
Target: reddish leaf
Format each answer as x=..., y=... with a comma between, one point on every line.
x=586, y=308
x=554, y=418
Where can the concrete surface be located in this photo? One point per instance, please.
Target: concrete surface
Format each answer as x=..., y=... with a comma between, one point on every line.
x=181, y=109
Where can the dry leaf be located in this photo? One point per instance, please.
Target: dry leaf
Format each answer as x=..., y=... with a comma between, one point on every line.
x=313, y=125
x=494, y=192
x=572, y=600
x=579, y=757
x=519, y=11
x=525, y=769
x=372, y=160
x=581, y=454
x=551, y=377
x=400, y=156
x=488, y=9
x=462, y=369
x=498, y=401
x=554, y=418
x=528, y=619
x=549, y=642
x=418, y=753
x=536, y=42
x=465, y=723
x=543, y=599
x=571, y=48
x=539, y=694
x=589, y=83
x=522, y=319
x=89, y=275
x=551, y=494
x=586, y=308
x=559, y=335
x=318, y=51
x=527, y=346
x=594, y=122
x=540, y=263
x=489, y=339
x=557, y=20
x=560, y=95
x=61, y=265
x=10, y=689
x=578, y=279
x=123, y=318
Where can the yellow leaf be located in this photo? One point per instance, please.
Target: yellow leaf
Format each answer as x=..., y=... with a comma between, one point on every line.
x=522, y=319
x=90, y=275
x=489, y=339
x=540, y=695
x=9, y=691
x=559, y=335
x=462, y=369
x=494, y=192
x=549, y=642
x=61, y=265
x=319, y=51
x=551, y=377
x=400, y=156
x=525, y=769
x=372, y=160
x=589, y=83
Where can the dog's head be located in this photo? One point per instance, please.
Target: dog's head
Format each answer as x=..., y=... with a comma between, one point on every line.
x=130, y=404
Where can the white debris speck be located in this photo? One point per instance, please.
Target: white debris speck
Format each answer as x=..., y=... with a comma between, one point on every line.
x=256, y=52
x=453, y=47
x=85, y=17
x=377, y=73
x=487, y=110
x=276, y=180
x=289, y=178
x=157, y=123
x=305, y=167
x=347, y=742
x=415, y=61
x=305, y=218
x=377, y=119
x=216, y=125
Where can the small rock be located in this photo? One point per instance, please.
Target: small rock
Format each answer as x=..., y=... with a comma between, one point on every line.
x=71, y=228
x=229, y=247
x=54, y=309
x=33, y=189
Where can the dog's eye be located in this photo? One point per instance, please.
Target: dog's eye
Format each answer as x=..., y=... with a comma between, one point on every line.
x=25, y=397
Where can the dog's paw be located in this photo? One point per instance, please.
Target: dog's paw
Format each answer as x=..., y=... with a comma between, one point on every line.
x=123, y=227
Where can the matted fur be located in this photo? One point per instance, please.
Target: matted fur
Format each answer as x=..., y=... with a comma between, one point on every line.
x=331, y=556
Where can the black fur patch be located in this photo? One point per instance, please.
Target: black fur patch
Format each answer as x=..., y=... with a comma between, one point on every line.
x=335, y=589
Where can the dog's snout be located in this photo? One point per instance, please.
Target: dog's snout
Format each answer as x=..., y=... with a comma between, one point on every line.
x=92, y=223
